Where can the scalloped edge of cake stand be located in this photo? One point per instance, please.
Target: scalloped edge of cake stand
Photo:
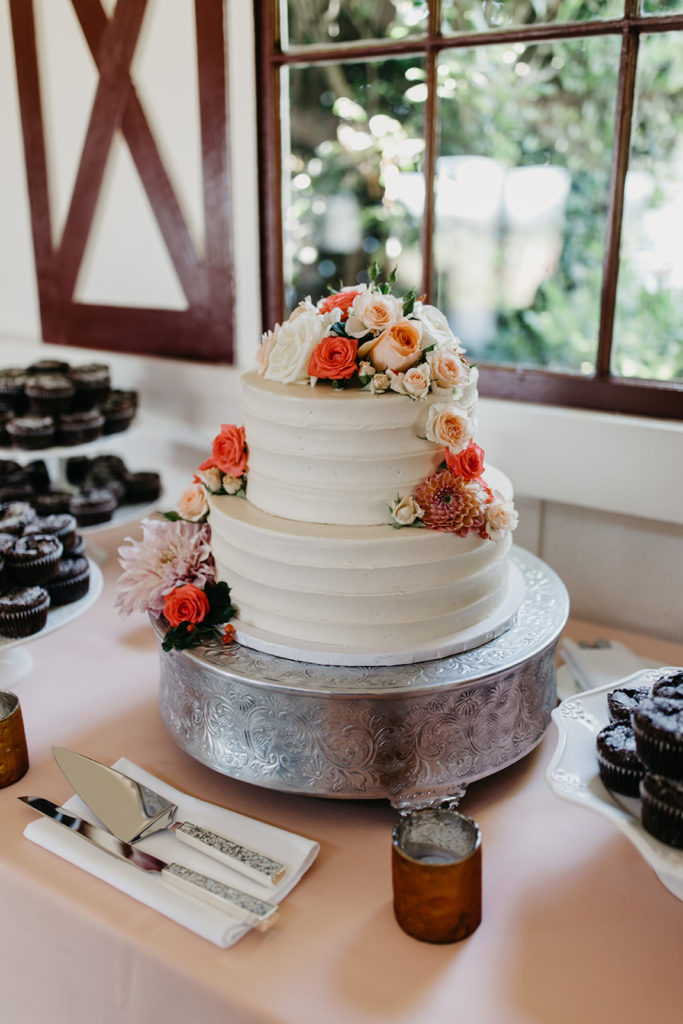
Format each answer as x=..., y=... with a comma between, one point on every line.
x=400, y=654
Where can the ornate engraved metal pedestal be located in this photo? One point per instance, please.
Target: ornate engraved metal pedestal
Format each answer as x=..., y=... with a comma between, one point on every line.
x=413, y=734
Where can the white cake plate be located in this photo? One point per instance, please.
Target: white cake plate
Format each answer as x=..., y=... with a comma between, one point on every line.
x=15, y=661
x=399, y=653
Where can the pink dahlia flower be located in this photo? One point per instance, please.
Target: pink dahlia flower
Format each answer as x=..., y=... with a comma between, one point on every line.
x=170, y=554
x=452, y=504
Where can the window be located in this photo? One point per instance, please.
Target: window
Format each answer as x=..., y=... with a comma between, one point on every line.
x=520, y=160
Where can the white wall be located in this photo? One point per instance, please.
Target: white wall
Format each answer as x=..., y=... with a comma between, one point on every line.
x=601, y=496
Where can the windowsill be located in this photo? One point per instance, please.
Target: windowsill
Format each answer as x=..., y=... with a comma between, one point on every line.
x=604, y=461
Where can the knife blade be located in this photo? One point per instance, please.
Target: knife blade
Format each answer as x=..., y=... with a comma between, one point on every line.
x=132, y=811
x=238, y=904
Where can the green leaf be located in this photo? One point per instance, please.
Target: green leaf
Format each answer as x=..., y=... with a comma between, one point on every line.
x=172, y=516
x=338, y=327
x=409, y=302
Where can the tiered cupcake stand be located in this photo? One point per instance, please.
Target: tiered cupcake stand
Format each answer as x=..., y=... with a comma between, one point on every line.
x=15, y=660
x=415, y=734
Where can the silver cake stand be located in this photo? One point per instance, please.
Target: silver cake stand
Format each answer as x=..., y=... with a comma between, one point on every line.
x=416, y=734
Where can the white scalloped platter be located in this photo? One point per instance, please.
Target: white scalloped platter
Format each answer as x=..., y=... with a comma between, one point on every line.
x=573, y=775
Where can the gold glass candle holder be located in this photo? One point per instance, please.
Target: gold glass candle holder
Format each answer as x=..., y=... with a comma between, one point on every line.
x=13, y=752
x=436, y=875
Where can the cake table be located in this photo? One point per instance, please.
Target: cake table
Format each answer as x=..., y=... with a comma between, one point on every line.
x=414, y=734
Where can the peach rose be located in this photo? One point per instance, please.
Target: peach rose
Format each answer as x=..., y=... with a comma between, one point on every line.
x=229, y=450
x=185, y=604
x=448, y=369
x=399, y=347
x=265, y=348
x=373, y=311
x=448, y=426
x=193, y=504
x=501, y=517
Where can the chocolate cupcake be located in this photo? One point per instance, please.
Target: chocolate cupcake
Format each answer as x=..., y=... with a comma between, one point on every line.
x=76, y=468
x=71, y=582
x=661, y=808
x=47, y=366
x=33, y=559
x=5, y=416
x=32, y=432
x=23, y=611
x=622, y=701
x=15, y=515
x=61, y=525
x=6, y=541
x=49, y=394
x=101, y=478
x=111, y=464
x=12, y=396
x=78, y=546
x=143, y=486
x=670, y=687
x=37, y=475
x=51, y=502
x=658, y=728
x=620, y=767
x=80, y=427
x=93, y=506
x=118, y=412
x=92, y=382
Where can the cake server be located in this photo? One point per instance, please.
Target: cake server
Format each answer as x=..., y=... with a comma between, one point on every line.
x=240, y=905
x=132, y=811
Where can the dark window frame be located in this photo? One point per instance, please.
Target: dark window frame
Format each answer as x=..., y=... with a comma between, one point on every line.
x=599, y=391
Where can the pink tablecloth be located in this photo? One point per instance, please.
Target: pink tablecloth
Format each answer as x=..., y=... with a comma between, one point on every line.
x=576, y=926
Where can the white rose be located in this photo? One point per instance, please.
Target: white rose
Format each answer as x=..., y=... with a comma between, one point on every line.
x=405, y=511
x=450, y=426
x=380, y=383
x=294, y=346
x=435, y=327
x=467, y=394
x=232, y=484
x=414, y=382
x=366, y=369
x=211, y=478
x=372, y=311
x=193, y=504
x=501, y=517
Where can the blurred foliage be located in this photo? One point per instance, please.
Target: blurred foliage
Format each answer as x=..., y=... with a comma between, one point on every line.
x=357, y=131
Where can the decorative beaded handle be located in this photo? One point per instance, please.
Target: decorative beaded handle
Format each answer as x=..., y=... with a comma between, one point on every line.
x=250, y=863
x=240, y=905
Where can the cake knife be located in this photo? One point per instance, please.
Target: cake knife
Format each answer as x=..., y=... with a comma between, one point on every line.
x=132, y=811
x=238, y=904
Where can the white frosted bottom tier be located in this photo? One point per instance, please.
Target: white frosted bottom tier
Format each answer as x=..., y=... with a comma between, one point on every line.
x=359, y=593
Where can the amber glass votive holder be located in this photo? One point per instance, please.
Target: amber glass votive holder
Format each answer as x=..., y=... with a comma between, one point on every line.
x=13, y=751
x=436, y=874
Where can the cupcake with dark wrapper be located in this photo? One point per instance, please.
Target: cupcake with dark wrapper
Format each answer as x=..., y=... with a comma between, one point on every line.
x=670, y=686
x=51, y=502
x=80, y=427
x=661, y=809
x=61, y=525
x=47, y=366
x=76, y=468
x=5, y=416
x=15, y=515
x=118, y=412
x=23, y=611
x=111, y=464
x=658, y=728
x=32, y=432
x=12, y=395
x=78, y=546
x=38, y=475
x=619, y=765
x=622, y=701
x=71, y=582
x=92, y=382
x=33, y=559
x=141, y=487
x=93, y=506
x=49, y=394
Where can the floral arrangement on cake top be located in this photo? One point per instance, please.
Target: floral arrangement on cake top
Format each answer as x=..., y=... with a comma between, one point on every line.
x=363, y=336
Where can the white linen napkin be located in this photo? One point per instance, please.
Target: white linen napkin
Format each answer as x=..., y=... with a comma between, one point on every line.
x=296, y=852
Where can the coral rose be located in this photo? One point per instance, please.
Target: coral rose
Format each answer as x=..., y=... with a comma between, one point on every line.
x=448, y=426
x=334, y=358
x=229, y=450
x=342, y=300
x=468, y=463
x=399, y=347
x=185, y=604
x=193, y=504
